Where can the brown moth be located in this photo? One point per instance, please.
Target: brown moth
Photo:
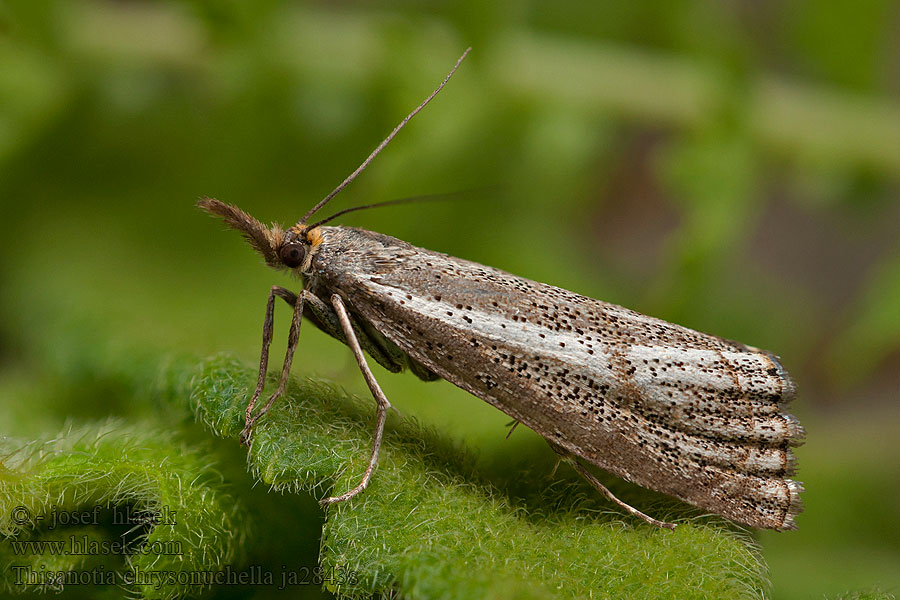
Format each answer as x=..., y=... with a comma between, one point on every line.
x=682, y=412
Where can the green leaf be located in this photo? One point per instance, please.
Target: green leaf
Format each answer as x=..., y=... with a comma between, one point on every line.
x=428, y=526
x=65, y=502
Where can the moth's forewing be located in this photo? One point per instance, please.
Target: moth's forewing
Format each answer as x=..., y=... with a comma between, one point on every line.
x=675, y=410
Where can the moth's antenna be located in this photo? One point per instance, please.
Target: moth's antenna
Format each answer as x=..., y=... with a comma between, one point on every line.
x=384, y=143
x=410, y=200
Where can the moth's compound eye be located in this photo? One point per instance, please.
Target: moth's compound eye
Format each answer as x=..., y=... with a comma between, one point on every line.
x=292, y=255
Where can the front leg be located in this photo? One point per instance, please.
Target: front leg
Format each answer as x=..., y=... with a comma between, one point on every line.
x=327, y=319
x=268, y=325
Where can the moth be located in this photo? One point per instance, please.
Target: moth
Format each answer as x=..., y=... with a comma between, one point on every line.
x=685, y=413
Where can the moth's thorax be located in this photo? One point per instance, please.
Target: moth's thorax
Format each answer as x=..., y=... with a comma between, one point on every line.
x=340, y=250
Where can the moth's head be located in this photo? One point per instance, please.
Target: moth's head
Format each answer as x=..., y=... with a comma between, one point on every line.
x=281, y=249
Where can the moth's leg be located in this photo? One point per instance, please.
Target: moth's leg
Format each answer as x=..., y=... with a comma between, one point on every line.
x=380, y=398
x=294, y=335
x=555, y=466
x=327, y=320
x=573, y=460
x=268, y=325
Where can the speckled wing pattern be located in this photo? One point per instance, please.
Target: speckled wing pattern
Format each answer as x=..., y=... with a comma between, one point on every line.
x=685, y=413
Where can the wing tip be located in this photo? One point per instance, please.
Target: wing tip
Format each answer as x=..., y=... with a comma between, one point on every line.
x=795, y=505
x=788, y=387
x=796, y=433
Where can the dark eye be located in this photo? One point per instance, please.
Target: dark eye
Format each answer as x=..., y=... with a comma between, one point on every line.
x=292, y=255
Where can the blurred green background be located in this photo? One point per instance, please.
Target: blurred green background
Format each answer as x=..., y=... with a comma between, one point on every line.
x=729, y=166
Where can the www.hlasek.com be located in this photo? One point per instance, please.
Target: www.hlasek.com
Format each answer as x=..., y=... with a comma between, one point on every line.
x=86, y=546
